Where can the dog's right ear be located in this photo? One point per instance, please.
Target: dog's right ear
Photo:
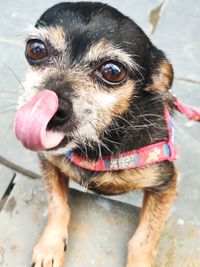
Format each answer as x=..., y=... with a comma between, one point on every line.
x=161, y=73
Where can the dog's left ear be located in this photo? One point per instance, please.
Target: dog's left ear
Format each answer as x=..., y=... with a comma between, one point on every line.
x=161, y=73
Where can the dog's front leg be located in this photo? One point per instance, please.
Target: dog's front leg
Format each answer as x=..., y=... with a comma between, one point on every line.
x=49, y=251
x=156, y=206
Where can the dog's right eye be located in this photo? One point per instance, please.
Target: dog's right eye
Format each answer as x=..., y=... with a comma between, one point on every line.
x=36, y=52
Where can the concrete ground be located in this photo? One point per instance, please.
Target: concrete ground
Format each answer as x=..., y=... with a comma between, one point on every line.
x=173, y=26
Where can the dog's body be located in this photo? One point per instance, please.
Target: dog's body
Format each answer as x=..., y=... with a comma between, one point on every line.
x=111, y=85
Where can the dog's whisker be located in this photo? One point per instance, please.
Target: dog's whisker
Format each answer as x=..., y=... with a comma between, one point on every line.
x=111, y=141
x=100, y=152
x=98, y=143
x=150, y=115
x=138, y=68
x=10, y=126
x=15, y=75
x=83, y=151
x=105, y=146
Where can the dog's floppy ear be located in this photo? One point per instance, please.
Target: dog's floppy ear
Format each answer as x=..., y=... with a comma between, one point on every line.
x=161, y=73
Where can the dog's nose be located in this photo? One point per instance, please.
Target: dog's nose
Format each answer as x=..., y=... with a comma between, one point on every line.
x=63, y=113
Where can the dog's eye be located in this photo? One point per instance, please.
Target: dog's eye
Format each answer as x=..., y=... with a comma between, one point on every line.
x=36, y=51
x=112, y=72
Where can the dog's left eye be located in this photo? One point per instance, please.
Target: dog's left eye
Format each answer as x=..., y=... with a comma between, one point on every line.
x=36, y=51
x=112, y=72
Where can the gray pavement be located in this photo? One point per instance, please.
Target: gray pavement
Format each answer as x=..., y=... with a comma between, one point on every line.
x=174, y=27
x=98, y=232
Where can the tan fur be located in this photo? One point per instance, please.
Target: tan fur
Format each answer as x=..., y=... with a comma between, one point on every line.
x=125, y=94
x=121, y=98
x=53, y=240
x=143, y=242
x=55, y=35
x=103, y=49
x=65, y=167
x=95, y=106
x=162, y=80
x=111, y=183
x=58, y=38
x=155, y=208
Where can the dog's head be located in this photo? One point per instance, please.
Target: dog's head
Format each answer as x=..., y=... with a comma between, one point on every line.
x=89, y=67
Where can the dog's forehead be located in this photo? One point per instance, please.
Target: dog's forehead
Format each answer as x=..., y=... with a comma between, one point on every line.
x=83, y=24
x=81, y=21
x=91, y=29
x=78, y=12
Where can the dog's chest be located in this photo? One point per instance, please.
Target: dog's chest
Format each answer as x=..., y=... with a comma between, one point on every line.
x=107, y=183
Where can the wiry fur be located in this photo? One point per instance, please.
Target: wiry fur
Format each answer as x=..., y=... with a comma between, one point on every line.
x=103, y=119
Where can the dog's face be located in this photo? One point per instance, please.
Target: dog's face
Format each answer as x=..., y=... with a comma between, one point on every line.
x=97, y=62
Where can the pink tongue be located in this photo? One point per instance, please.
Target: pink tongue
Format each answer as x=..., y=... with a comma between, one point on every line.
x=31, y=122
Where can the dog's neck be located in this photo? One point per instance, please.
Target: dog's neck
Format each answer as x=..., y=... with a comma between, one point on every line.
x=140, y=156
x=147, y=155
x=143, y=124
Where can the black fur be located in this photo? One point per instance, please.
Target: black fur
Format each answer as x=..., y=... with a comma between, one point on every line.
x=86, y=23
x=143, y=123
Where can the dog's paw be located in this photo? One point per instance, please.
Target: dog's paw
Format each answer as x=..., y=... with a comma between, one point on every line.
x=139, y=263
x=49, y=253
x=139, y=259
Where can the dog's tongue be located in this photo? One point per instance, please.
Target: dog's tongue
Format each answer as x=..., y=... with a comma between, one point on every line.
x=31, y=122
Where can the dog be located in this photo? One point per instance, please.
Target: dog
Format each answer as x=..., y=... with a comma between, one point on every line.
x=96, y=95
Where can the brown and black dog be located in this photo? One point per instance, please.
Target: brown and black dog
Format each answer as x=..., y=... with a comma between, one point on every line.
x=97, y=86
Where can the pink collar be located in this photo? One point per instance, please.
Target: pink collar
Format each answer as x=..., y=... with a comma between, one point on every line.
x=161, y=151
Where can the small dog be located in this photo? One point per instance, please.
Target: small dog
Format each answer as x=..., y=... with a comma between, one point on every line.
x=96, y=89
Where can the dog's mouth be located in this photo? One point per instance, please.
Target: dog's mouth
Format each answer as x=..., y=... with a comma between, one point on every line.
x=32, y=119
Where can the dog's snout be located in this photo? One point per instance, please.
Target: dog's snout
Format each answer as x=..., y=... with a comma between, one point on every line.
x=62, y=115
